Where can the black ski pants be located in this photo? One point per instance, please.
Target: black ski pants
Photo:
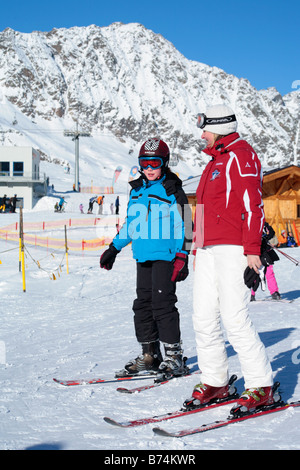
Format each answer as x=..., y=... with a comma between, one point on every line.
x=155, y=314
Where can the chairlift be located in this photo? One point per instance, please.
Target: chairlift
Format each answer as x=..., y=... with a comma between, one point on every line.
x=174, y=159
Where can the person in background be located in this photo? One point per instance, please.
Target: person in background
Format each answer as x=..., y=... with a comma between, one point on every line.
x=100, y=202
x=14, y=201
x=117, y=205
x=3, y=203
x=91, y=204
x=290, y=240
x=158, y=224
x=282, y=239
x=269, y=240
x=61, y=204
x=227, y=236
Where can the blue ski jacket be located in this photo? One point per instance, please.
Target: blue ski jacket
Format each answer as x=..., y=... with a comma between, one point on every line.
x=158, y=222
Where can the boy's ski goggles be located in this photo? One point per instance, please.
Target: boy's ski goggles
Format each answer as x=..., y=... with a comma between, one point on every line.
x=154, y=163
x=203, y=120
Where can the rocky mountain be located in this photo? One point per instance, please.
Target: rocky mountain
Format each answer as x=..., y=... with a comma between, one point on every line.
x=128, y=82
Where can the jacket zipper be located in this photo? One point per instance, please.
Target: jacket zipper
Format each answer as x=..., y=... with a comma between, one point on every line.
x=148, y=210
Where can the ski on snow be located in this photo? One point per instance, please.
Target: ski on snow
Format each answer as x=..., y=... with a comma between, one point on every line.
x=176, y=414
x=159, y=379
x=280, y=406
x=164, y=417
x=269, y=299
x=157, y=382
x=98, y=380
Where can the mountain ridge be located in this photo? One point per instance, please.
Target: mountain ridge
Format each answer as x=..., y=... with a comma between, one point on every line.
x=131, y=83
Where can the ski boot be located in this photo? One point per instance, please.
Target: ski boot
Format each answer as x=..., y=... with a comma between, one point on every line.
x=276, y=296
x=173, y=364
x=205, y=394
x=147, y=362
x=253, y=400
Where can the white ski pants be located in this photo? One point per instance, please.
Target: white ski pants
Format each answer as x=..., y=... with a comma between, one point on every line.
x=221, y=295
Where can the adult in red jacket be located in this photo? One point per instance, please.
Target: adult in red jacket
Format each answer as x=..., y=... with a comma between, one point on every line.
x=227, y=237
x=230, y=192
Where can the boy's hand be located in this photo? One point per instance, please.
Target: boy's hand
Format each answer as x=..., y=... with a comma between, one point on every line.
x=180, y=269
x=108, y=257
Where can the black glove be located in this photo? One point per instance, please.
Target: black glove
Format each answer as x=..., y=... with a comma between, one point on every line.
x=108, y=257
x=251, y=278
x=180, y=270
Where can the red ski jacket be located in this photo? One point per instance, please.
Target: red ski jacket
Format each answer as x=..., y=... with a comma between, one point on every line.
x=229, y=197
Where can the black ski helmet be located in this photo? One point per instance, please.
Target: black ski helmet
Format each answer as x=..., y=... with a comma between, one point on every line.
x=155, y=147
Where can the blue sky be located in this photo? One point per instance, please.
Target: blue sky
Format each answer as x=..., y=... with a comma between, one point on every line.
x=257, y=40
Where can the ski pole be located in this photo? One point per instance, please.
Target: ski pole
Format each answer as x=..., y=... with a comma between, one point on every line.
x=296, y=262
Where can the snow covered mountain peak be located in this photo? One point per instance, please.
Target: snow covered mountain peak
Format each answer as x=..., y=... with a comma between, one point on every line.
x=129, y=82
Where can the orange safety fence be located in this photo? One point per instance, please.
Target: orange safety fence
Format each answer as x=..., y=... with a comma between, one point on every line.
x=58, y=243
x=10, y=233
x=54, y=224
x=97, y=189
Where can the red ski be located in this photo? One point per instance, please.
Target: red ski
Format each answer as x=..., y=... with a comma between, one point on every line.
x=280, y=406
x=69, y=383
x=157, y=383
x=175, y=414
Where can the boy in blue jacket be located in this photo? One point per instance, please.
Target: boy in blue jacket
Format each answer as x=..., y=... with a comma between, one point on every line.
x=159, y=226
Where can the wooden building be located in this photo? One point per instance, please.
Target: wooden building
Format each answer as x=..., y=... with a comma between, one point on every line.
x=281, y=196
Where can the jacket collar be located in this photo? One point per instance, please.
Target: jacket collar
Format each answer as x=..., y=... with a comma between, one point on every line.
x=142, y=181
x=222, y=145
x=170, y=181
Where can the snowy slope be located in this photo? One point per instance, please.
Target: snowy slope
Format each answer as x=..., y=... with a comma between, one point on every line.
x=81, y=325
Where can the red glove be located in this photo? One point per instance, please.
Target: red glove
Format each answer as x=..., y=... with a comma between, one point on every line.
x=180, y=267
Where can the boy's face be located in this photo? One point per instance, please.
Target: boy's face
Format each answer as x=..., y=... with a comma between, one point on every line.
x=152, y=174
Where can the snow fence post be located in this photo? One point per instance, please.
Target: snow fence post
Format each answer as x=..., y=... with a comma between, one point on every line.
x=66, y=248
x=22, y=249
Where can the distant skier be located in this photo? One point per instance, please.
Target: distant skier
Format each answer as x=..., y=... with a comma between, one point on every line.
x=3, y=203
x=14, y=201
x=157, y=206
x=91, y=204
x=61, y=204
x=100, y=201
x=117, y=205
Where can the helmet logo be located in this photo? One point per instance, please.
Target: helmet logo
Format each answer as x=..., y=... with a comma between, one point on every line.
x=152, y=145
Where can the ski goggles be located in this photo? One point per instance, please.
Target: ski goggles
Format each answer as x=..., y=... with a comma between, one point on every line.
x=203, y=120
x=154, y=163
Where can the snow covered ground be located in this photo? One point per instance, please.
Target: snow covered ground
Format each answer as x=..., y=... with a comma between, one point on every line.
x=81, y=325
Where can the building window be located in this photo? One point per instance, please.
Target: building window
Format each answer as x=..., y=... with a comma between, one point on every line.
x=18, y=169
x=298, y=211
x=4, y=168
